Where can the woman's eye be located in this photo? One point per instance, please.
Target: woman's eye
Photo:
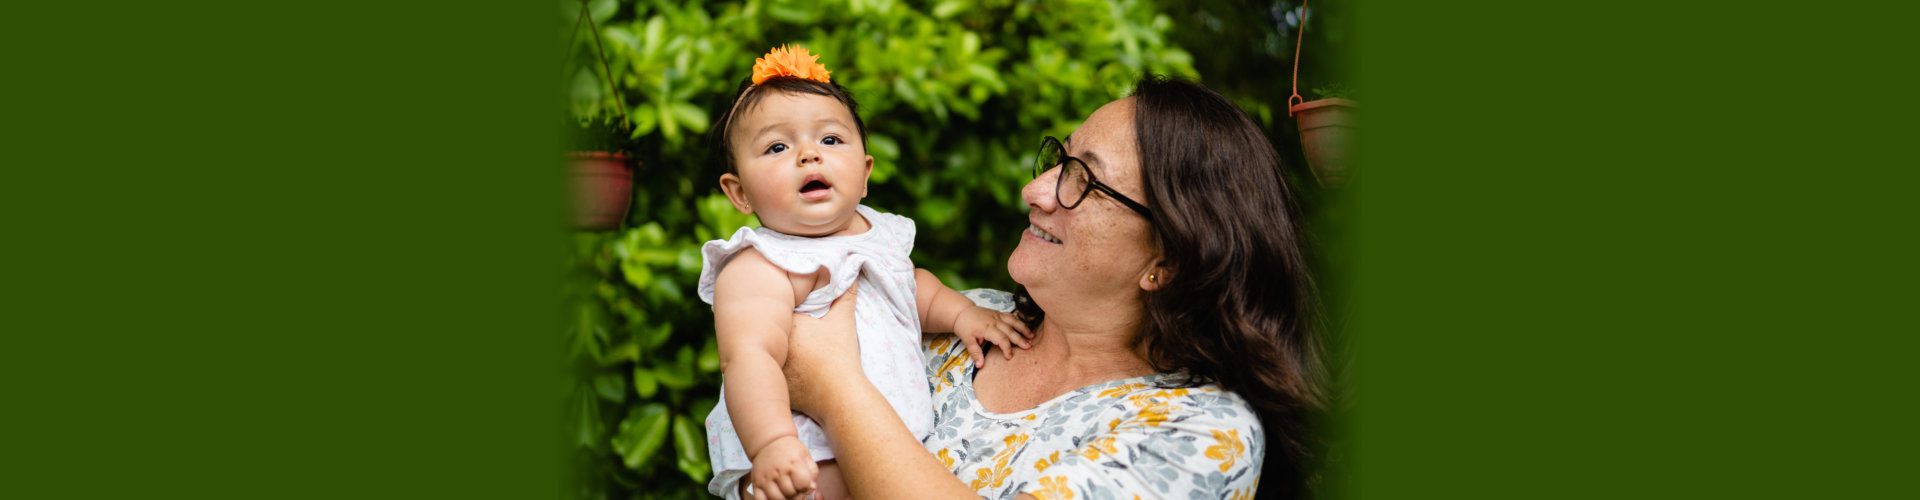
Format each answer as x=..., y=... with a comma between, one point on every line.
x=776, y=148
x=831, y=140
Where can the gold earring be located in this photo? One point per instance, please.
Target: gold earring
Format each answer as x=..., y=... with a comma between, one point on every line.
x=1153, y=278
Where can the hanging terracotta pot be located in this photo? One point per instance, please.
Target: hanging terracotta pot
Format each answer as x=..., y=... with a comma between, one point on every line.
x=602, y=189
x=1327, y=126
x=1327, y=129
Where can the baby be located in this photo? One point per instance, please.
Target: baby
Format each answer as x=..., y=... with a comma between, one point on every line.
x=796, y=157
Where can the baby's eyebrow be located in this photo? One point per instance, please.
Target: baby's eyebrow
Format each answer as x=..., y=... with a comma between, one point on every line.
x=765, y=130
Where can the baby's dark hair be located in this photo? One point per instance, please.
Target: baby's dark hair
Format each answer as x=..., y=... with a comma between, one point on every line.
x=750, y=95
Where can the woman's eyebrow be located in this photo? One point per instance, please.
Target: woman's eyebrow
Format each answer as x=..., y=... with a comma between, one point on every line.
x=1091, y=158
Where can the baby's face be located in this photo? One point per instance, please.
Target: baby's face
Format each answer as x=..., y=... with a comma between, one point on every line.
x=802, y=167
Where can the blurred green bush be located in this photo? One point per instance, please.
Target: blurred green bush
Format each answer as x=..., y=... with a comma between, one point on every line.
x=956, y=95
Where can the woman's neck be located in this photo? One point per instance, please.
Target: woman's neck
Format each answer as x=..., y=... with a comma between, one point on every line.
x=1064, y=357
x=1092, y=353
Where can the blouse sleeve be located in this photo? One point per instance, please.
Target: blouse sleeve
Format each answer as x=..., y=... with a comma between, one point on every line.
x=1174, y=444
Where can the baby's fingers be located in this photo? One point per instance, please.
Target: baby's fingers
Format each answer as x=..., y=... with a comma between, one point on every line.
x=786, y=486
x=979, y=358
x=1019, y=326
x=764, y=489
x=1014, y=336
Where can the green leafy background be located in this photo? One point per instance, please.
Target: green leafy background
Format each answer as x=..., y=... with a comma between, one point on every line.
x=956, y=95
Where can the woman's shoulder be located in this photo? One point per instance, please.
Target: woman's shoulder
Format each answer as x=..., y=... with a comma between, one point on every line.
x=1160, y=399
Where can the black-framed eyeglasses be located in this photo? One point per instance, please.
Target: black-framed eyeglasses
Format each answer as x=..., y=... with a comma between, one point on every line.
x=1076, y=180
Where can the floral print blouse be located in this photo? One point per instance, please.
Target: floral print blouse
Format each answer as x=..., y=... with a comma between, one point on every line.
x=1142, y=437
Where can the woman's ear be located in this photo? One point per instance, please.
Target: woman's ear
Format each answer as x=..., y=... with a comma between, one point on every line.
x=1155, y=277
x=736, y=193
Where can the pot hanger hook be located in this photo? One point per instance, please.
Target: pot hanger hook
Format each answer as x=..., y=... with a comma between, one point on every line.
x=1299, y=38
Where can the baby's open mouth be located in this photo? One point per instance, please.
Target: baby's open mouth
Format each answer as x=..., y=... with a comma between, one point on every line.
x=815, y=188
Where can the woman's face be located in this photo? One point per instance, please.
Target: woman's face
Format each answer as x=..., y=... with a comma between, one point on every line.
x=1100, y=247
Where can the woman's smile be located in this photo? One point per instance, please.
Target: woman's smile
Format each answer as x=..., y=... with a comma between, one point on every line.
x=1041, y=234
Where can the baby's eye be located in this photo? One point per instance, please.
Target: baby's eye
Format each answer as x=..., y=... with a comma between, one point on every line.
x=776, y=148
x=832, y=140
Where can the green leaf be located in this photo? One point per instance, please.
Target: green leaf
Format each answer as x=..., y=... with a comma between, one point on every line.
x=641, y=434
x=669, y=126
x=690, y=448
x=585, y=94
x=677, y=374
x=588, y=427
x=692, y=116
x=797, y=13
x=689, y=260
x=602, y=10
x=654, y=336
x=611, y=386
x=644, y=383
x=710, y=356
x=645, y=117
x=987, y=75
x=948, y=8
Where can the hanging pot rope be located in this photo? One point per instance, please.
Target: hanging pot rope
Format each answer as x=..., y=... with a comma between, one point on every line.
x=587, y=17
x=1301, y=37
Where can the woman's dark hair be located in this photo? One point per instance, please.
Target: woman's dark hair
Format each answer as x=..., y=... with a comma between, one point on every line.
x=750, y=95
x=1236, y=304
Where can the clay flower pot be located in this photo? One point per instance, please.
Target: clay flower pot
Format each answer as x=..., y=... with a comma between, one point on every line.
x=1327, y=129
x=602, y=189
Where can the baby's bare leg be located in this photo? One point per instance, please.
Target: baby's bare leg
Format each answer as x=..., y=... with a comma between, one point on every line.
x=827, y=484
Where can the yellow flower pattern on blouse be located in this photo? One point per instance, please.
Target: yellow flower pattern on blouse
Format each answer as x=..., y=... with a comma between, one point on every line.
x=1228, y=450
x=1122, y=390
x=997, y=474
x=1098, y=446
x=963, y=358
x=1053, y=488
x=1155, y=436
x=1041, y=466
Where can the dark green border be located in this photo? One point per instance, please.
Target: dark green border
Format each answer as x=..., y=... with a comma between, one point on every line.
x=300, y=250
x=312, y=251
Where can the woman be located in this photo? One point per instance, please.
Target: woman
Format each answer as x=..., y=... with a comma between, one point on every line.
x=1175, y=351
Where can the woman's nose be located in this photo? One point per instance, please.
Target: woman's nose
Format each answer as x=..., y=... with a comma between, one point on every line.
x=1038, y=193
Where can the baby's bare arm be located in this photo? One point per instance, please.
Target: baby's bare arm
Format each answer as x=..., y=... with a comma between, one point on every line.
x=943, y=310
x=938, y=305
x=753, y=315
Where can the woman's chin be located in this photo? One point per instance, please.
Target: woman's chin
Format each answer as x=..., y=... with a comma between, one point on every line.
x=1017, y=265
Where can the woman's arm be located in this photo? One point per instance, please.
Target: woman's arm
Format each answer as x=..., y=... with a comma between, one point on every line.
x=877, y=455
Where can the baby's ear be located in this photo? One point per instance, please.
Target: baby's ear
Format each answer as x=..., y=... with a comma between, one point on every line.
x=736, y=193
x=869, y=177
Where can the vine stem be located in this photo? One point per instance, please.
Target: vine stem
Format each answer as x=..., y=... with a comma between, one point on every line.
x=586, y=16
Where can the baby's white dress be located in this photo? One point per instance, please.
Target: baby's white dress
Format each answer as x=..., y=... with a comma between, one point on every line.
x=886, y=316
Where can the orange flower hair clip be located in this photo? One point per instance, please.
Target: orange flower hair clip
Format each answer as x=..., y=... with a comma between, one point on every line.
x=794, y=62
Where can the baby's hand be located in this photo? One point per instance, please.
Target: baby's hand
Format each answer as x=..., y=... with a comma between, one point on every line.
x=978, y=326
x=783, y=469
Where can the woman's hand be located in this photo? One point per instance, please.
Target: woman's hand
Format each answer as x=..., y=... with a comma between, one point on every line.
x=821, y=354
